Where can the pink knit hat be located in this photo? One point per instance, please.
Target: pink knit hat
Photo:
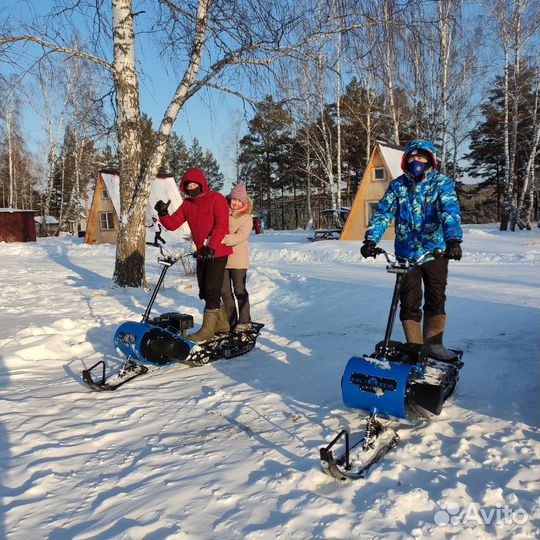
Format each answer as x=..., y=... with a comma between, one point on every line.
x=239, y=192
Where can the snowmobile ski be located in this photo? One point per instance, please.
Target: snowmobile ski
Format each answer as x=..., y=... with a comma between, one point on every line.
x=126, y=373
x=358, y=458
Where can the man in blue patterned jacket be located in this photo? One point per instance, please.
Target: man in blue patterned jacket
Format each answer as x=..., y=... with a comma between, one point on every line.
x=427, y=216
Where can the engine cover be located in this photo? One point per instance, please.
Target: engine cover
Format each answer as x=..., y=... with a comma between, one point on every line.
x=151, y=344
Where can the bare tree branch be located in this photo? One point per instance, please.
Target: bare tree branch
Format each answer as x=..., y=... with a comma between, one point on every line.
x=57, y=48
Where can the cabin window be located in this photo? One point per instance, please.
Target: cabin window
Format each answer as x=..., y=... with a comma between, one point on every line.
x=104, y=194
x=370, y=210
x=106, y=221
x=379, y=173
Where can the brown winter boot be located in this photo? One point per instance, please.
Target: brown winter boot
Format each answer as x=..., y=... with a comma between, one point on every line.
x=222, y=326
x=207, y=330
x=413, y=331
x=433, y=337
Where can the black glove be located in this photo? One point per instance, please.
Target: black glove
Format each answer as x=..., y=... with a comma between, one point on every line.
x=453, y=250
x=208, y=254
x=162, y=208
x=368, y=249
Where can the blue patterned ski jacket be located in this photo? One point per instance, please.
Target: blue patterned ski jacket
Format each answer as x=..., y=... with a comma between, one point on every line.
x=427, y=213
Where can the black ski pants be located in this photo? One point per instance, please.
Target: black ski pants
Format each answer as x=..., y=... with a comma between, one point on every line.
x=433, y=275
x=210, y=279
x=234, y=287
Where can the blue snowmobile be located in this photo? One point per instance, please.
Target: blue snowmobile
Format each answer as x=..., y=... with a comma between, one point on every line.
x=162, y=341
x=398, y=380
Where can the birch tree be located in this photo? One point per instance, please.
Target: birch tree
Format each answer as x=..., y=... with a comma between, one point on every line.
x=446, y=11
x=339, y=174
x=86, y=122
x=55, y=93
x=526, y=197
x=363, y=106
x=387, y=55
x=17, y=180
x=508, y=17
x=10, y=110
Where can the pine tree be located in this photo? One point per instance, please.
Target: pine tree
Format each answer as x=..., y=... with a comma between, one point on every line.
x=205, y=160
x=487, y=138
x=176, y=157
x=263, y=151
x=73, y=176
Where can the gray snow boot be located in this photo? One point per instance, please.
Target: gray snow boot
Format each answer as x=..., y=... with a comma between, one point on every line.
x=433, y=338
x=208, y=328
x=222, y=325
x=413, y=331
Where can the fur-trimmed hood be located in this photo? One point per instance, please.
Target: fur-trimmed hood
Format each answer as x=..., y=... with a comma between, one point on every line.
x=239, y=213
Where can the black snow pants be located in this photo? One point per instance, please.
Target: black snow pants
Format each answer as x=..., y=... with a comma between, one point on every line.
x=434, y=275
x=210, y=279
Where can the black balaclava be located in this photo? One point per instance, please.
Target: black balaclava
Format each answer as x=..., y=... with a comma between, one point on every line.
x=193, y=192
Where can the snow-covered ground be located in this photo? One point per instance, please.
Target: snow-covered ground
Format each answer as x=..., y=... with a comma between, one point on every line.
x=230, y=450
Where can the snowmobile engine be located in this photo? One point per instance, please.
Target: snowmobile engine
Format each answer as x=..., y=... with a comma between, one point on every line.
x=399, y=382
x=157, y=342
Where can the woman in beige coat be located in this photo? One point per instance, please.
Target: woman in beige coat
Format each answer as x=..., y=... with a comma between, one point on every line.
x=234, y=283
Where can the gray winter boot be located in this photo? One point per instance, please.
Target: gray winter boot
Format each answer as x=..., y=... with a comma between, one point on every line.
x=433, y=337
x=208, y=328
x=413, y=331
x=222, y=325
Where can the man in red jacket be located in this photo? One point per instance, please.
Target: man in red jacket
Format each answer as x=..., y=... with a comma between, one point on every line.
x=207, y=214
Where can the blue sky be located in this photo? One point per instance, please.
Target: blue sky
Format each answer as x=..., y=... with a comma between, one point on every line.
x=209, y=116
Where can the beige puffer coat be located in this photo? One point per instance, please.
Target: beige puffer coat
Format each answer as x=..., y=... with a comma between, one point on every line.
x=240, y=226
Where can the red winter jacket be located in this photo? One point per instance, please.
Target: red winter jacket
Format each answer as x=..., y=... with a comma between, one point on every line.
x=207, y=215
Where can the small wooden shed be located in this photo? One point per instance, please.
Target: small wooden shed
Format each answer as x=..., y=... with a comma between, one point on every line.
x=17, y=225
x=103, y=224
x=49, y=229
x=384, y=165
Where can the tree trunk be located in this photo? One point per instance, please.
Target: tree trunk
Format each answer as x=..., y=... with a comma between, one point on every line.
x=11, y=171
x=509, y=210
x=338, y=124
x=515, y=104
x=308, y=174
x=525, y=204
x=282, y=208
x=445, y=30
x=506, y=206
x=296, y=220
x=129, y=264
x=388, y=66
x=269, y=215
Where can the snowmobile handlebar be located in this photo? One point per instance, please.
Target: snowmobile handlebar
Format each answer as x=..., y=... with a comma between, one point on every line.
x=167, y=258
x=396, y=265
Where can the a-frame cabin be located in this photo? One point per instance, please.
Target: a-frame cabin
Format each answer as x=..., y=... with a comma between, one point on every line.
x=384, y=165
x=103, y=223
